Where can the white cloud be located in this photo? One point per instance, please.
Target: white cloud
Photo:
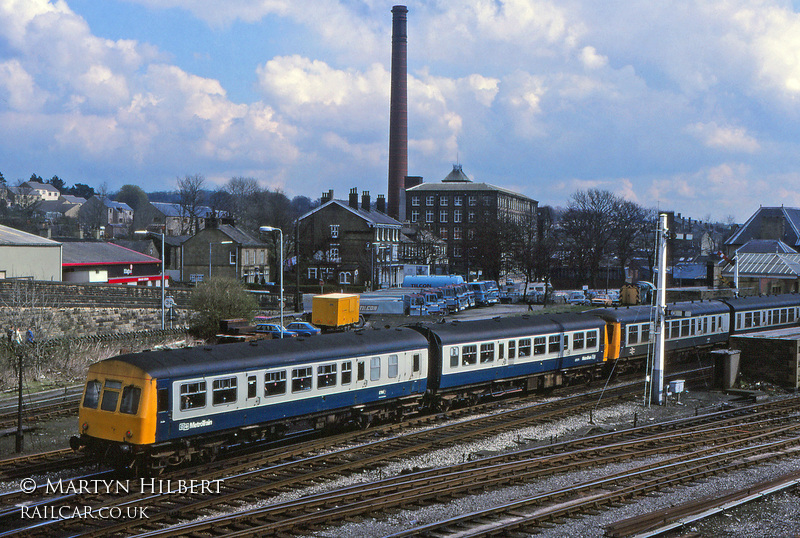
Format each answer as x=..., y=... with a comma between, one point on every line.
x=734, y=139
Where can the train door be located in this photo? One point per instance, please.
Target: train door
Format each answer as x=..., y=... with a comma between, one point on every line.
x=252, y=390
x=163, y=412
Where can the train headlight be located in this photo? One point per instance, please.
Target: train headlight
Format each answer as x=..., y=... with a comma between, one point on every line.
x=128, y=434
x=85, y=426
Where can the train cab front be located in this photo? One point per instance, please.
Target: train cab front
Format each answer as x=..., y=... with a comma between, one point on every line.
x=117, y=415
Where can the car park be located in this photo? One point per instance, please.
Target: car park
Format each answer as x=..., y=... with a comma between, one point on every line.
x=303, y=328
x=274, y=330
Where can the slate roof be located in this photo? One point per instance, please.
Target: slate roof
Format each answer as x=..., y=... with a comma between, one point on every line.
x=752, y=228
x=35, y=185
x=376, y=217
x=72, y=199
x=238, y=236
x=12, y=236
x=766, y=246
x=101, y=253
x=170, y=209
x=457, y=180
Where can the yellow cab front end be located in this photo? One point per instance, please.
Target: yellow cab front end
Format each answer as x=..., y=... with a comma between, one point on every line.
x=118, y=405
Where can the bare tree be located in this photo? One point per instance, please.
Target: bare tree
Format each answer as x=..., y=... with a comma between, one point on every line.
x=191, y=197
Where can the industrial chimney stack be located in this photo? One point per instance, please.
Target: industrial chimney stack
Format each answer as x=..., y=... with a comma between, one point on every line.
x=398, y=117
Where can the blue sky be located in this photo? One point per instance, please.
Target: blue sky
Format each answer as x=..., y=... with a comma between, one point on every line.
x=691, y=107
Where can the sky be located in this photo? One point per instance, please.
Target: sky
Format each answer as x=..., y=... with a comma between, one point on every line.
x=689, y=106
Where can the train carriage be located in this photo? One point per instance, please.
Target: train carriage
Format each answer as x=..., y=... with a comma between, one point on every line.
x=484, y=357
x=762, y=313
x=248, y=390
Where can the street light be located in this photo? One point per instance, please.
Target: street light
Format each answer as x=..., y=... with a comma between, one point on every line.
x=209, y=254
x=163, y=253
x=265, y=229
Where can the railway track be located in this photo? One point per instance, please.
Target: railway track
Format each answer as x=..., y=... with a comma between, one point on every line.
x=708, y=445
x=36, y=408
x=294, y=467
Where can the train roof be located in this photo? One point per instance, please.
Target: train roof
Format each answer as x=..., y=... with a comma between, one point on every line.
x=510, y=327
x=213, y=360
x=624, y=314
x=763, y=301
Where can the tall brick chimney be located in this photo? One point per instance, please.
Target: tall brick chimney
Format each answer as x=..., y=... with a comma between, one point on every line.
x=365, y=201
x=353, y=201
x=398, y=116
x=380, y=204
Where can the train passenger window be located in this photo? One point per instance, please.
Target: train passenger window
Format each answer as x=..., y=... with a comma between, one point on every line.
x=275, y=383
x=393, y=366
x=223, y=391
x=524, y=349
x=193, y=395
x=326, y=376
x=645, y=336
x=361, y=374
x=110, y=395
x=252, y=386
x=684, y=327
x=791, y=315
x=705, y=325
x=783, y=315
x=633, y=334
x=566, y=342
x=487, y=352
x=347, y=372
x=500, y=351
x=469, y=354
x=92, y=396
x=374, y=368
x=454, y=357
x=130, y=400
x=301, y=379
x=162, y=400
x=775, y=317
x=692, y=327
x=714, y=324
x=512, y=349
x=554, y=343
x=748, y=319
x=416, y=365
x=577, y=340
x=675, y=331
x=591, y=339
x=756, y=319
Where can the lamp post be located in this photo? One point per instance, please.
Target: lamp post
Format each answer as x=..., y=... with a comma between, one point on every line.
x=163, y=257
x=265, y=229
x=209, y=253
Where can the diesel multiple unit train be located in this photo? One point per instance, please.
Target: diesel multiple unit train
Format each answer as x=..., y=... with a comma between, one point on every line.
x=151, y=410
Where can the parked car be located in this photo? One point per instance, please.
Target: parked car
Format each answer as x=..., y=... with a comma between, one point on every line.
x=274, y=330
x=560, y=297
x=303, y=328
x=601, y=299
x=577, y=297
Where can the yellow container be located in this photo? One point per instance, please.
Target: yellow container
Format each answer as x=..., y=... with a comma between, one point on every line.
x=334, y=310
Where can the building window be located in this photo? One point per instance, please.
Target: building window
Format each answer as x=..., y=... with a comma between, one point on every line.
x=415, y=199
x=473, y=200
x=443, y=215
x=457, y=252
x=312, y=273
x=344, y=277
x=429, y=215
x=471, y=234
x=487, y=200
x=429, y=200
x=457, y=215
x=333, y=254
x=457, y=233
x=458, y=200
x=471, y=216
x=334, y=230
x=443, y=201
x=414, y=215
x=443, y=232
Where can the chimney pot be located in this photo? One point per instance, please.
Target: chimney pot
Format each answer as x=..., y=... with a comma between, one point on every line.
x=365, y=201
x=380, y=204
